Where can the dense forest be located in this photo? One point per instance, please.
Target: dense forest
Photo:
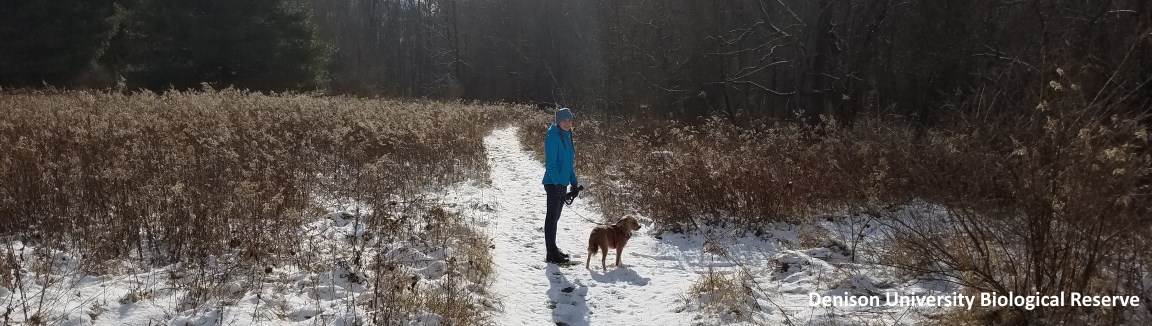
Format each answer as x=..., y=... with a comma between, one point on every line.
x=920, y=60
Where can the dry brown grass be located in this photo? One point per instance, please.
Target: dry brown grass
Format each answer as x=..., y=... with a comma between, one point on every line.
x=399, y=297
x=714, y=173
x=229, y=169
x=181, y=176
x=726, y=294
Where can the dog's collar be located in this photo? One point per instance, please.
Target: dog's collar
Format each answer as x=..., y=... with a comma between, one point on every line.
x=628, y=235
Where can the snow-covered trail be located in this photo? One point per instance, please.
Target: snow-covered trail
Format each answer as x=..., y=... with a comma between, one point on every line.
x=533, y=292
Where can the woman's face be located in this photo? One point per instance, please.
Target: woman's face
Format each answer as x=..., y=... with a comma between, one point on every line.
x=566, y=125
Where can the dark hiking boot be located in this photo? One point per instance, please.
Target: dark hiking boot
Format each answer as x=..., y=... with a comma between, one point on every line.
x=556, y=258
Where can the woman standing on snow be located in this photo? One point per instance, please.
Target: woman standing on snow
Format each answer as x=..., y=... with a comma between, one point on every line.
x=559, y=173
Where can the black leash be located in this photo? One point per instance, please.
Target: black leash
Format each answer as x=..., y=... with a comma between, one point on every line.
x=588, y=219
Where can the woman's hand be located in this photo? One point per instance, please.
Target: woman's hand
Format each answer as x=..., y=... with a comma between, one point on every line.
x=573, y=194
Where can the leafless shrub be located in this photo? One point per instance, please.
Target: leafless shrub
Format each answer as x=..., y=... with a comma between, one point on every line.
x=181, y=176
x=1052, y=204
x=722, y=293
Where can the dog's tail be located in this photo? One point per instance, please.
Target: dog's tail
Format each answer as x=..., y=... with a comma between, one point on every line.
x=593, y=247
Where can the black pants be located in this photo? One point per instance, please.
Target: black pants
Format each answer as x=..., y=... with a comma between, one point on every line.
x=555, y=206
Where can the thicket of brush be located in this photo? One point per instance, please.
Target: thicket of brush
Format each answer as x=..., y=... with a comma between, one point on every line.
x=181, y=176
x=1055, y=198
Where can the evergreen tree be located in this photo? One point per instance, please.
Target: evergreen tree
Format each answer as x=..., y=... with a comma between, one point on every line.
x=52, y=41
x=253, y=44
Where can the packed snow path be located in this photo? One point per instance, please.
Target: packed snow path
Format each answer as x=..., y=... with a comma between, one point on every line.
x=643, y=292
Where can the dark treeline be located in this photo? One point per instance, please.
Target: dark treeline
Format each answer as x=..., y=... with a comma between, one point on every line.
x=919, y=59
x=159, y=44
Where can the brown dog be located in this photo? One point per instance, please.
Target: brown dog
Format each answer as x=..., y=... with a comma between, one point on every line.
x=610, y=236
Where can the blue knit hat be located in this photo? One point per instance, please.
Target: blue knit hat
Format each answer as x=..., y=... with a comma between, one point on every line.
x=563, y=114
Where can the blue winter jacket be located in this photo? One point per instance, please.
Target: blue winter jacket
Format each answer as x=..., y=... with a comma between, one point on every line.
x=559, y=157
